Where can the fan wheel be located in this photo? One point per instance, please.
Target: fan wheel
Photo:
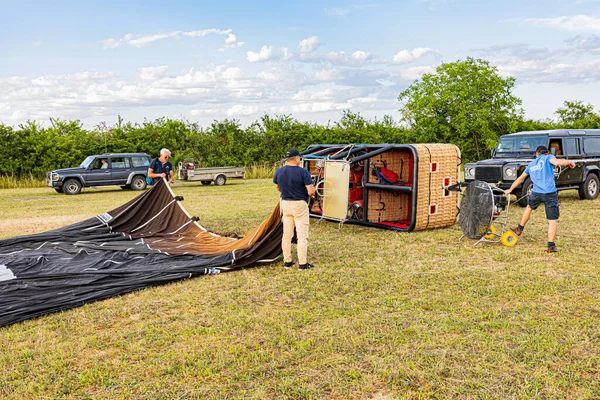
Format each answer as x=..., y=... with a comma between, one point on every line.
x=509, y=238
x=491, y=233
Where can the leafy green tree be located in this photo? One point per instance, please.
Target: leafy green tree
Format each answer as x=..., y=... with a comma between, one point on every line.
x=576, y=114
x=466, y=103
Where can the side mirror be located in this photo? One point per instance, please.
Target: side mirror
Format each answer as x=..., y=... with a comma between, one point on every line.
x=493, y=152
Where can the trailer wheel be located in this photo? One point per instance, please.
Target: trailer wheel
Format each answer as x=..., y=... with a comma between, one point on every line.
x=206, y=183
x=220, y=180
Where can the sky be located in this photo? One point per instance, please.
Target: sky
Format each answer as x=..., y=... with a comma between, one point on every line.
x=201, y=61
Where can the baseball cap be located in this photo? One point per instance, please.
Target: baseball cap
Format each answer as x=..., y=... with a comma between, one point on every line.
x=541, y=149
x=292, y=153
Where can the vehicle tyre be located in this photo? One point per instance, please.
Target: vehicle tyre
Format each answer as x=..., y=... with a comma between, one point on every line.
x=509, y=238
x=523, y=194
x=220, y=180
x=588, y=190
x=72, y=186
x=206, y=183
x=58, y=190
x=138, y=183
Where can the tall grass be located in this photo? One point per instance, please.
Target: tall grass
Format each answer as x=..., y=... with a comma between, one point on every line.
x=29, y=181
x=263, y=171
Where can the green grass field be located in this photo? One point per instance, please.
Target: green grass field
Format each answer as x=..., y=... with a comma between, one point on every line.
x=384, y=315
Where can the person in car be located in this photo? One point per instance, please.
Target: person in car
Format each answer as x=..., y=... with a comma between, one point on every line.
x=161, y=167
x=541, y=171
x=104, y=163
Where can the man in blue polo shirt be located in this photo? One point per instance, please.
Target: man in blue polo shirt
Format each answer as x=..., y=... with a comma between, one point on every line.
x=161, y=167
x=296, y=187
x=544, y=191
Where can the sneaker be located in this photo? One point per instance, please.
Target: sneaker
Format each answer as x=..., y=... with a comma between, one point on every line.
x=517, y=231
x=288, y=264
x=305, y=266
x=552, y=249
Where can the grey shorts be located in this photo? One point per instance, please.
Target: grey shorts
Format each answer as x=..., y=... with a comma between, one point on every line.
x=550, y=201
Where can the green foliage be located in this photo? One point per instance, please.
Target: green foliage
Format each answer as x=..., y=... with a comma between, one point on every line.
x=466, y=103
x=575, y=114
x=32, y=150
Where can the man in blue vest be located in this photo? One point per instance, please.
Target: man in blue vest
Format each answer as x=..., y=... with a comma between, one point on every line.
x=296, y=187
x=541, y=171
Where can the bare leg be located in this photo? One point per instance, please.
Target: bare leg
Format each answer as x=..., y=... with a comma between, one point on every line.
x=526, y=215
x=552, y=227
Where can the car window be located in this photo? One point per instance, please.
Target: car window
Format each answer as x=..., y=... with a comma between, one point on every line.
x=520, y=143
x=100, y=163
x=119, y=162
x=140, y=161
x=571, y=147
x=591, y=146
x=86, y=162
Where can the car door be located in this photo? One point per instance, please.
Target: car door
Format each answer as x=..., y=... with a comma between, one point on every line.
x=120, y=168
x=572, y=150
x=98, y=173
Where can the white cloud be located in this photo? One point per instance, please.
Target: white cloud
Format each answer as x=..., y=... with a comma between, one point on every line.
x=342, y=12
x=205, y=112
x=131, y=39
x=287, y=54
x=152, y=73
x=309, y=44
x=205, y=32
x=327, y=74
x=408, y=56
x=231, y=42
x=414, y=73
x=319, y=106
x=589, y=44
x=241, y=110
x=356, y=59
x=360, y=55
x=263, y=54
x=304, y=95
x=573, y=23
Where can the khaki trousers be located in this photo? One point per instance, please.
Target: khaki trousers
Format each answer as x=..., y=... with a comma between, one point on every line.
x=295, y=213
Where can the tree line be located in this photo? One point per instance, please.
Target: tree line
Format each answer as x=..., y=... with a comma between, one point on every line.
x=466, y=103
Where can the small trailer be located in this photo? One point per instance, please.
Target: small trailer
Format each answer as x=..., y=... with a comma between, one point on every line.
x=218, y=175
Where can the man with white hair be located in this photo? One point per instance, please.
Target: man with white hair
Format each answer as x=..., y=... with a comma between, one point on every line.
x=161, y=167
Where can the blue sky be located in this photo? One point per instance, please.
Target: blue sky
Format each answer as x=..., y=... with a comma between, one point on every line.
x=201, y=61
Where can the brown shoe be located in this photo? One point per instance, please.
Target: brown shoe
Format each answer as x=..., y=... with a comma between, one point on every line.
x=552, y=249
x=517, y=231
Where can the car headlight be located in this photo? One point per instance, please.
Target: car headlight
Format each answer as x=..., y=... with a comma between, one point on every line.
x=55, y=177
x=469, y=172
x=510, y=173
